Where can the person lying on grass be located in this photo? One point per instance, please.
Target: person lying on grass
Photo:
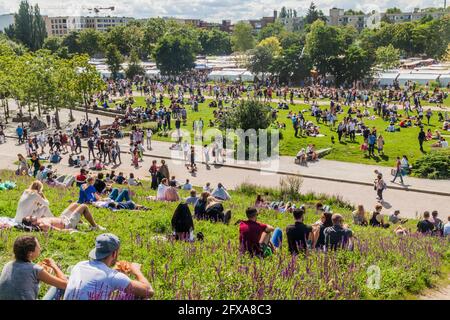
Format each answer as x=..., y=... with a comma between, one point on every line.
x=67, y=222
x=96, y=279
x=254, y=237
x=20, y=278
x=90, y=194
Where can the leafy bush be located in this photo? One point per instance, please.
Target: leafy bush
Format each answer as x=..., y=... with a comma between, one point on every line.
x=434, y=165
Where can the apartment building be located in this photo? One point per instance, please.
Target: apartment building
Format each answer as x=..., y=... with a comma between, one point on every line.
x=62, y=25
x=338, y=17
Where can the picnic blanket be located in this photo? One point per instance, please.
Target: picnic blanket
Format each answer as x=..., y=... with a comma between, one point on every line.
x=7, y=185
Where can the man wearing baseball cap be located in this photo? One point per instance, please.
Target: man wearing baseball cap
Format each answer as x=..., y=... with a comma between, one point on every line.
x=96, y=280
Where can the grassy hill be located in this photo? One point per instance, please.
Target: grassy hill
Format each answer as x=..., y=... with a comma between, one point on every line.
x=214, y=269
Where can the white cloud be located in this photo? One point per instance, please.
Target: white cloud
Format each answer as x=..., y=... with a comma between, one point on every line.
x=211, y=10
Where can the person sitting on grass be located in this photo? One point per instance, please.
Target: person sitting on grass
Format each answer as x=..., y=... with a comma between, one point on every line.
x=20, y=279
x=377, y=219
x=359, y=216
x=254, y=237
x=171, y=193
x=192, y=199
x=221, y=193
x=260, y=202
x=401, y=231
x=120, y=179
x=339, y=235
x=187, y=185
x=132, y=181
x=214, y=211
x=425, y=226
x=394, y=218
x=95, y=279
x=319, y=230
x=81, y=178
x=299, y=233
x=67, y=222
x=33, y=201
x=446, y=231
x=182, y=223
x=200, y=206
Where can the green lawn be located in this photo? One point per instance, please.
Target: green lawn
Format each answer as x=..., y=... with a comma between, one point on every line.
x=396, y=144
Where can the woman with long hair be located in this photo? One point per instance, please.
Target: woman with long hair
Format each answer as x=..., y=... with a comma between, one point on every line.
x=182, y=223
x=33, y=202
x=23, y=167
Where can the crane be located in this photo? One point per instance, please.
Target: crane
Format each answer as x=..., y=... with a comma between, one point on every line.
x=96, y=10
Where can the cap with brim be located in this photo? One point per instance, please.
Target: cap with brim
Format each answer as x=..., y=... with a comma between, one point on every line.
x=105, y=245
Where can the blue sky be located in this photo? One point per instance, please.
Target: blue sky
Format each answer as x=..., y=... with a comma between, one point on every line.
x=211, y=10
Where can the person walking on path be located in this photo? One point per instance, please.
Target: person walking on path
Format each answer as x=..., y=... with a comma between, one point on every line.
x=149, y=138
x=421, y=138
x=379, y=186
x=398, y=170
x=19, y=132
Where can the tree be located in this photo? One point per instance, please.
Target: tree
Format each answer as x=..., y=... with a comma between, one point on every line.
x=134, y=66
x=242, y=38
x=291, y=66
x=249, y=114
x=273, y=44
x=114, y=60
x=90, y=41
x=215, y=42
x=387, y=57
x=53, y=44
x=313, y=14
x=393, y=10
x=447, y=54
x=271, y=30
x=154, y=29
x=353, y=66
x=29, y=27
x=72, y=42
x=39, y=30
x=323, y=44
x=175, y=54
x=260, y=60
x=283, y=13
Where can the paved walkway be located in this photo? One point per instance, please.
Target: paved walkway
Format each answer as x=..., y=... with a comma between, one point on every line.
x=351, y=181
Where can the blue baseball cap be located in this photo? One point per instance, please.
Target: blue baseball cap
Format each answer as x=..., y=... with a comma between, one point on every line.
x=105, y=245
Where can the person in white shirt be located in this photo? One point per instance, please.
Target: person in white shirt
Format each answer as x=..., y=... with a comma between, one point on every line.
x=33, y=202
x=206, y=154
x=185, y=149
x=96, y=280
x=207, y=187
x=221, y=193
x=132, y=181
x=149, y=138
x=162, y=187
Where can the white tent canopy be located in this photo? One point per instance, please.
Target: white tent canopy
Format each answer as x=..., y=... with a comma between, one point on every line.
x=419, y=78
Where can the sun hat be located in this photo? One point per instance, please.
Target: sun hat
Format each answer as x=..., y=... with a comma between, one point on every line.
x=105, y=245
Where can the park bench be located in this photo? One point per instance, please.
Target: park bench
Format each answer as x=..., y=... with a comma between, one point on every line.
x=320, y=153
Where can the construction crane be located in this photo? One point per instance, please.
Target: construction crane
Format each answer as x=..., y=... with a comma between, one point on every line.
x=96, y=10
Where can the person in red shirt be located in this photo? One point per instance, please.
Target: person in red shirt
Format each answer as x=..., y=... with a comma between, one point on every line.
x=254, y=236
x=81, y=178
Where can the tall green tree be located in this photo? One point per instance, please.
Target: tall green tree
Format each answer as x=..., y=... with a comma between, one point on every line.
x=387, y=57
x=29, y=27
x=134, y=66
x=314, y=14
x=90, y=42
x=114, y=60
x=242, y=38
x=175, y=54
x=323, y=45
